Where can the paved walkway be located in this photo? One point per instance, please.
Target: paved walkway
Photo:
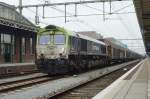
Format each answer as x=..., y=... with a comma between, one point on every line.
x=135, y=84
x=138, y=90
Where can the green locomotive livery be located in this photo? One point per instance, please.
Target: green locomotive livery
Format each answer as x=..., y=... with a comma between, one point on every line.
x=61, y=51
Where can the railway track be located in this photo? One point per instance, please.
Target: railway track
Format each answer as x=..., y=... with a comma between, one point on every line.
x=17, y=69
x=17, y=75
x=65, y=92
x=91, y=88
x=26, y=82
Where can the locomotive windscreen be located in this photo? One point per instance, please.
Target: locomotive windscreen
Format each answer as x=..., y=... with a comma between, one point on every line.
x=55, y=39
x=44, y=39
x=59, y=39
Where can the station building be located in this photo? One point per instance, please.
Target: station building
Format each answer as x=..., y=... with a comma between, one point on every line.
x=17, y=36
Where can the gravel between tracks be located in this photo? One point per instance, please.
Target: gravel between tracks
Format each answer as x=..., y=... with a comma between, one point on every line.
x=90, y=89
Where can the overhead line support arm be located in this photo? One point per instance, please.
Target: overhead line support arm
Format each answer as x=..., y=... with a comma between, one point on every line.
x=68, y=3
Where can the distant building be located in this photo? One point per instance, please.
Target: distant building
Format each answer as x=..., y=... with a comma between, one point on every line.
x=17, y=36
x=91, y=34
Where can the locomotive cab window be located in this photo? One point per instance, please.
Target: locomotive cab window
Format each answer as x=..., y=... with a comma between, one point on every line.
x=44, y=39
x=59, y=39
x=74, y=43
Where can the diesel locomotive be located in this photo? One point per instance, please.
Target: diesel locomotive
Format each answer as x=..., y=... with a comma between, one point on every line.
x=60, y=51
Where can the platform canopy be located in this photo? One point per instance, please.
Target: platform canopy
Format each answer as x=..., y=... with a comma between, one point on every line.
x=142, y=8
x=10, y=17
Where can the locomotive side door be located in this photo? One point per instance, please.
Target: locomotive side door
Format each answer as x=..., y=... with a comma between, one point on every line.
x=78, y=44
x=109, y=50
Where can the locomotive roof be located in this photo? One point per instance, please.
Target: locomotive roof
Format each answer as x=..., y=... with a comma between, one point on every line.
x=89, y=38
x=49, y=28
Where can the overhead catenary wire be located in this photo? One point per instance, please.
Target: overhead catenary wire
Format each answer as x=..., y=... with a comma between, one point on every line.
x=122, y=8
x=94, y=14
x=78, y=20
x=80, y=15
x=94, y=8
x=124, y=24
x=70, y=15
x=118, y=11
x=38, y=15
x=62, y=11
x=77, y=2
x=69, y=3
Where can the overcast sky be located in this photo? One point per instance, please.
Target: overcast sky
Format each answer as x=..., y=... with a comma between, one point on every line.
x=119, y=26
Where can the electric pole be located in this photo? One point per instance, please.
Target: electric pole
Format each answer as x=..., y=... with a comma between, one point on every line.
x=20, y=7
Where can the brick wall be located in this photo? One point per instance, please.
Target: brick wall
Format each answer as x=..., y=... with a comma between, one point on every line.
x=28, y=57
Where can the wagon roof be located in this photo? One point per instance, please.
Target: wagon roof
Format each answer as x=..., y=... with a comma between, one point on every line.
x=113, y=42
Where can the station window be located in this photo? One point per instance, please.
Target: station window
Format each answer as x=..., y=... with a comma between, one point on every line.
x=31, y=46
x=23, y=46
x=13, y=44
x=5, y=39
x=0, y=45
x=1, y=38
x=2, y=48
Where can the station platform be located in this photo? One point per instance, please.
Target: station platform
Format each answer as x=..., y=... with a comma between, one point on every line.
x=16, y=64
x=17, y=68
x=135, y=84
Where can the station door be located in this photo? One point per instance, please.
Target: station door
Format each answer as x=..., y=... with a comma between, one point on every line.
x=7, y=53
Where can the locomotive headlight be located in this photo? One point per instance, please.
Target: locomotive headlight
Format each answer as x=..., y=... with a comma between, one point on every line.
x=62, y=50
x=42, y=56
